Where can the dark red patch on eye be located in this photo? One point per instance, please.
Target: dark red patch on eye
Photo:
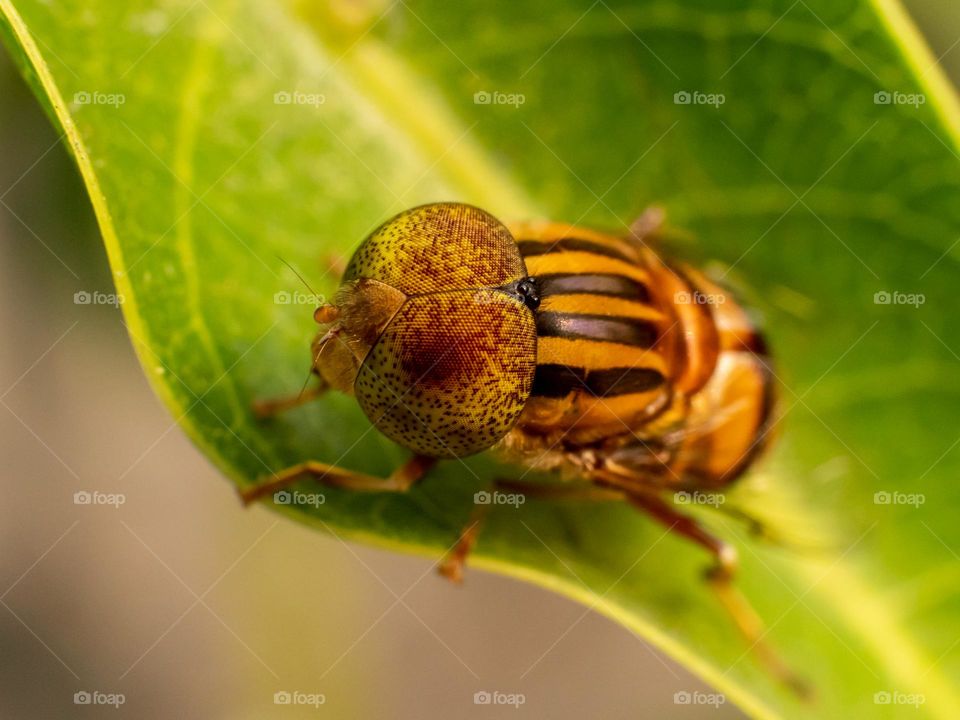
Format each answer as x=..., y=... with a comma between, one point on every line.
x=439, y=348
x=451, y=372
x=435, y=358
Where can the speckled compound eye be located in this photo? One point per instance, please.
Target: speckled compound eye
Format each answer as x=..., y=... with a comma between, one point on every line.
x=450, y=374
x=438, y=247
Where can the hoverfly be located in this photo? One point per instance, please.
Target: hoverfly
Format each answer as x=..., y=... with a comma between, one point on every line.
x=561, y=349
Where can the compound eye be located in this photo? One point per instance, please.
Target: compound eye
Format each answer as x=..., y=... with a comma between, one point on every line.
x=439, y=247
x=450, y=374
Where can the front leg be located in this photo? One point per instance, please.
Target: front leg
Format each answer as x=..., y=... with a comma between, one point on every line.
x=269, y=407
x=400, y=480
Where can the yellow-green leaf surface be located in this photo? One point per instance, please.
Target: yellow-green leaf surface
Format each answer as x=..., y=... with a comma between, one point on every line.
x=214, y=136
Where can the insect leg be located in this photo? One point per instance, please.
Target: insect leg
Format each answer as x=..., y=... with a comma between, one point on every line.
x=273, y=406
x=720, y=578
x=765, y=532
x=400, y=480
x=651, y=230
x=451, y=567
x=648, y=225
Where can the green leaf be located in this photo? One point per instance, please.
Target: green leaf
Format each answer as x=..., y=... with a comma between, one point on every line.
x=810, y=193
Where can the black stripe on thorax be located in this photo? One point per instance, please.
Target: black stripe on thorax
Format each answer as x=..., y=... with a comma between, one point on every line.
x=535, y=247
x=556, y=381
x=593, y=284
x=605, y=328
x=754, y=343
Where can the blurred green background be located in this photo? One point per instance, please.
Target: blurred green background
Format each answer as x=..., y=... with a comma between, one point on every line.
x=193, y=607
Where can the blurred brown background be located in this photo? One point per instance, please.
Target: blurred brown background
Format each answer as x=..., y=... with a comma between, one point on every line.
x=190, y=605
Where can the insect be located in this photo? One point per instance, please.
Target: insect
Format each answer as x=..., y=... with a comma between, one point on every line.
x=561, y=349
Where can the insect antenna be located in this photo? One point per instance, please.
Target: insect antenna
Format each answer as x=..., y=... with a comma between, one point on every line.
x=303, y=388
x=325, y=313
x=295, y=272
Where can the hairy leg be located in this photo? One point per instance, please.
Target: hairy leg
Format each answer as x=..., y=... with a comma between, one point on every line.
x=400, y=480
x=645, y=228
x=720, y=577
x=273, y=406
x=451, y=567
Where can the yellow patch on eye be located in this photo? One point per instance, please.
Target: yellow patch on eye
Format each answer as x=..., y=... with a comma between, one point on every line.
x=439, y=247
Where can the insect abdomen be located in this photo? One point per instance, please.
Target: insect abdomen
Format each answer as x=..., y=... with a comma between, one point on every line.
x=730, y=419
